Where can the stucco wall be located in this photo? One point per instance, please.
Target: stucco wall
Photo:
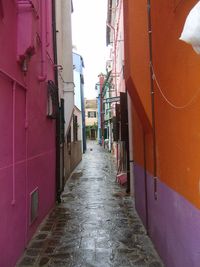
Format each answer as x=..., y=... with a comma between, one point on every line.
x=73, y=155
x=65, y=60
x=27, y=143
x=176, y=67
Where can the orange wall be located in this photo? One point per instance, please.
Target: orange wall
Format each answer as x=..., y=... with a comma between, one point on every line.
x=138, y=51
x=137, y=76
x=138, y=144
x=177, y=69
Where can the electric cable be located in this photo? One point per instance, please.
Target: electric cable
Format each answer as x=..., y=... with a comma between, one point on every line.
x=166, y=99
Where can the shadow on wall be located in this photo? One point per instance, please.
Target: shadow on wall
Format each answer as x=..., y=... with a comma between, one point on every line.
x=73, y=155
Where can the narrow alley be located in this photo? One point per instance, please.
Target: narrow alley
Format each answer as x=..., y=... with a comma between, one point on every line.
x=95, y=225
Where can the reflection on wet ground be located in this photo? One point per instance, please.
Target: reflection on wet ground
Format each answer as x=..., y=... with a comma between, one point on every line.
x=96, y=224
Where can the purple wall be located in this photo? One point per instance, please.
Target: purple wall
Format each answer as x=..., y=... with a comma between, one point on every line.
x=174, y=224
x=27, y=137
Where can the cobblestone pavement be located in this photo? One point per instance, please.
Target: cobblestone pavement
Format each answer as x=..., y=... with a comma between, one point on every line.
x=95, y=225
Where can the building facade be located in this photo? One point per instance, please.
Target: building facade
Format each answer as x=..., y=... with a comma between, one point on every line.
x=91, y=118
x=65, y=83
x=115, y=93
x=78, y=66
x=27, y=158
x=162, y=77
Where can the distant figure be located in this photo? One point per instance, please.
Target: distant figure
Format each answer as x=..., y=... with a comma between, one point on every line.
x=102, y=141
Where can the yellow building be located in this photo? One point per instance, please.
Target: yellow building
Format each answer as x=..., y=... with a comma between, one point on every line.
x=91, y=118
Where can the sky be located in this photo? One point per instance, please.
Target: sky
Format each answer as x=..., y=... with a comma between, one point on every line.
x=89, y=38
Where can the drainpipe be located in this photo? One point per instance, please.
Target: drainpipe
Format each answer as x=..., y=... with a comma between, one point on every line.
x=43, y=10
x=146, y=185
x=115, y=55
x=115, y=33
x=13, y=143
x=152, y=98
x=55, y=43
x=130, y=133
x=27, y=206
x=101, y=110
x=57, y=113
x=47, y=24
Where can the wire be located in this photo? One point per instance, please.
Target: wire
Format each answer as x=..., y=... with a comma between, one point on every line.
x=166, y=99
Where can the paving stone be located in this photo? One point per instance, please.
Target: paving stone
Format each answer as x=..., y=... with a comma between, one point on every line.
x=49, y=250
x=95, y=225
x=44, y=261
x=46, y=228
x=41, y=236
x=155, y=264
x=27, y=261
x=37, y=244
x=59, y=263
x=32, y=252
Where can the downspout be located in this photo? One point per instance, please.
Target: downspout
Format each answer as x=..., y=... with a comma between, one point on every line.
x=54, y=42
x=101, y=111
x=152, y=99
x=13, y=143
x=47, y=24
x=130, y=134
x=127, y=143
x=115, y=55
x=146, y=185
x=128, y=189
x=115, y=32
x=43, y=33
x=26, y=129
x=83, y=118
x=120, y=7
x=57, y=113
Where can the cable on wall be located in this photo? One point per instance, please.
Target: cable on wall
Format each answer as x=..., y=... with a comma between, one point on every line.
x=166, y=99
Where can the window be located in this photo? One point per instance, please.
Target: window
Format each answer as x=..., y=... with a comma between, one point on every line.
x=34, y=205
x=82, y=78
x=92, y=114
x=69, y=136
x=75, y=127
x=52, y=100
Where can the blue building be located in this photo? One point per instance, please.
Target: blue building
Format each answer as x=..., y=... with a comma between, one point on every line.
x=78, y=65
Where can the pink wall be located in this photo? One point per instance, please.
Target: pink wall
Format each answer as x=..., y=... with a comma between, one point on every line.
x=27, y=137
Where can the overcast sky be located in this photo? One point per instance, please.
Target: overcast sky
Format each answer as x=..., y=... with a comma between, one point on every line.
x=89, y=37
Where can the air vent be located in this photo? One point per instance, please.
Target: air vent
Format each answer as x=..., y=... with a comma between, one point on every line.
x=34, y=197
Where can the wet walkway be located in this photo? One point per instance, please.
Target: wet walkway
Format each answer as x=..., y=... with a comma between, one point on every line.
x=95, y=225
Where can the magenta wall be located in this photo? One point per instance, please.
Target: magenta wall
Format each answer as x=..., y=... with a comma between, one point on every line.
x=174, y=223
x=27, y=137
